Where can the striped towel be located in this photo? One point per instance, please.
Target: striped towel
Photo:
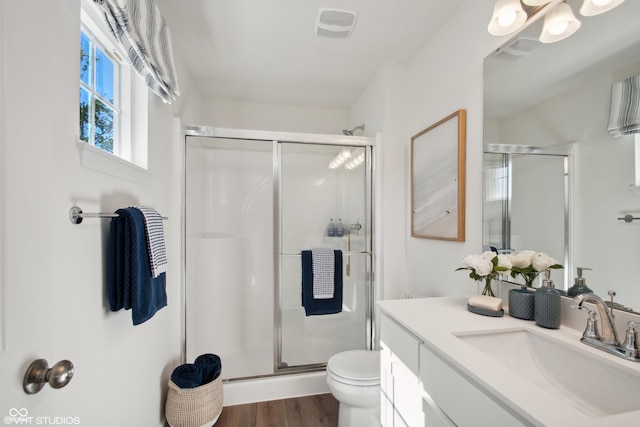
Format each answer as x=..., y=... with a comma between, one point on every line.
x=624, y=118
x=155, y=241
x=323, y=262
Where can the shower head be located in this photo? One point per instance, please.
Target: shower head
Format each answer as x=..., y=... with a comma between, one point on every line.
x=350, y=132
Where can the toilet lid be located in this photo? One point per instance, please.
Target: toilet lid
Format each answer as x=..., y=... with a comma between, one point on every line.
x=358, y=365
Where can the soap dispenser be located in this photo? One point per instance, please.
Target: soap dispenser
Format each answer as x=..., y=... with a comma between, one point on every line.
x=339, y=228
x=579, y=286
x=547, y=304
x=331, y=229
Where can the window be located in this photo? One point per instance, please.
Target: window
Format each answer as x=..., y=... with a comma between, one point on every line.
x=99, y=106
x=113, y=106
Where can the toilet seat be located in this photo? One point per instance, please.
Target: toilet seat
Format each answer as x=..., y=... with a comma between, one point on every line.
x=355, y=367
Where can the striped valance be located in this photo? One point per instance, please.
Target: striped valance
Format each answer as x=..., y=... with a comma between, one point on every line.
x=624, y=118
x=145, y=39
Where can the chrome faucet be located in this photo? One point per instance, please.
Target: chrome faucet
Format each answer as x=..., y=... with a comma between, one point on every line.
x=605, y=337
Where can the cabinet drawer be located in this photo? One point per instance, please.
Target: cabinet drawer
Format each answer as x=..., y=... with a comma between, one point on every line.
x=402, y=343
x=433, y=415
x=462, y=401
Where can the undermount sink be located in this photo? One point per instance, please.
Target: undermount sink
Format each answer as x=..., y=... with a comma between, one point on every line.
x=595, y=386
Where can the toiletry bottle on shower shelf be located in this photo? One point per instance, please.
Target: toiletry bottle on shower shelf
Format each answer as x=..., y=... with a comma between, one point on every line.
x=547, y=304
x=331, y=229
x=339, y=228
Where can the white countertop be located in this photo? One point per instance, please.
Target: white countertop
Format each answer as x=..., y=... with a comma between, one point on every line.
x=437, y=321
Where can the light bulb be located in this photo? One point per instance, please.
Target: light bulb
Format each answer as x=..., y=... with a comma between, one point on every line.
x=558, y=28
x=559, y=24
x=507, y=18
x=596, y=7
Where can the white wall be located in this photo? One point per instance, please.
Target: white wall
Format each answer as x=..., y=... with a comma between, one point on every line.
x=251, y=115
x=444, y=77
x=382, y=108
x=52, y=279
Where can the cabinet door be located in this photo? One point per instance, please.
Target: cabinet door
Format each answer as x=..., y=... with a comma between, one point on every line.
x=433, y=415
x=386, y=388
x=461, y=400
x=407, y=395
x=401, y=393
x=403, y=344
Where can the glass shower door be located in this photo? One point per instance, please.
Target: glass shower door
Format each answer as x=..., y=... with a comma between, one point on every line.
x=229, y=254
x=320, y=185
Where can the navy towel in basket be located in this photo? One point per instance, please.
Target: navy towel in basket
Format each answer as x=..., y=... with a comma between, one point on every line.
x=188, y=375
x=130, y=284
x=211, y=366
x=206, y=368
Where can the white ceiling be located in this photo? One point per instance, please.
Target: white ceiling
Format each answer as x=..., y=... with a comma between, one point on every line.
x=266, y=51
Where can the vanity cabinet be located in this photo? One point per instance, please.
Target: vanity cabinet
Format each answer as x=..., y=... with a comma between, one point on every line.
x=419, y=388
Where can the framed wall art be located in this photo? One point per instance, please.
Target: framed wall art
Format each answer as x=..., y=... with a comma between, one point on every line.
x=438, y=166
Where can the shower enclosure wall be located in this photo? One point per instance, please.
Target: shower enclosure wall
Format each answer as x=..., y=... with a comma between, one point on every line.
x=252, y=202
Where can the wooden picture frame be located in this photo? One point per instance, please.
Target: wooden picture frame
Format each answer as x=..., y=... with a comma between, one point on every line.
x=438, y=164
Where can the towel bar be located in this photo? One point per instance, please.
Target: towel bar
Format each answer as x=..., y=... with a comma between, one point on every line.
x=76, y=215
x=628, y=218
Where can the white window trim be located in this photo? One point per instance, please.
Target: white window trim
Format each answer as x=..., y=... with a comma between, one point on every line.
x=131, y=159
x=102, y=161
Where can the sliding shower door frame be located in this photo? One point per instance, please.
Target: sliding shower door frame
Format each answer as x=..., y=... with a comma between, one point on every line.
x=276, y=138
x=279, y=255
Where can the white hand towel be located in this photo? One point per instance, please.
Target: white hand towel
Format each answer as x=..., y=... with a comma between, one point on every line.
x=323, y=263
x=155, y=241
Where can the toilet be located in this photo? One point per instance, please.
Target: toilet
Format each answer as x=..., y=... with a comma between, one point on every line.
x=353, y=378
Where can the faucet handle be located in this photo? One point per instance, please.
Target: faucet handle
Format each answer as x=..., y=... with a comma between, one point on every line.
x=591, y=331
x=630, y=345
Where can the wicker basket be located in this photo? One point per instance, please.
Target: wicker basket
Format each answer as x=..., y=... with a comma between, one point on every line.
x=194, y=407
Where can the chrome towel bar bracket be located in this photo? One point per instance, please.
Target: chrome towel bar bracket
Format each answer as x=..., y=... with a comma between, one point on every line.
x=76, y=215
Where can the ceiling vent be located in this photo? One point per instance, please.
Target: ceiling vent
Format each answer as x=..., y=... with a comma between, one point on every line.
x=335, y=23
x=517, y=48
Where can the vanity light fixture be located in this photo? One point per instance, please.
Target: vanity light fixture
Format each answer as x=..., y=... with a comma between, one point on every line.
x=596, y=7
x=508, y=16
x=559, y=24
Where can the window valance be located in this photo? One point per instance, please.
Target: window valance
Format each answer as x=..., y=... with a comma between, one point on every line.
x=145, y=39
x=624, y=118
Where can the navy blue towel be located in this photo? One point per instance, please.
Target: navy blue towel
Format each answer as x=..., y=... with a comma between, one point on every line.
x=321, y=306
x=189, y=375
x=211, y=366
x=129, y=281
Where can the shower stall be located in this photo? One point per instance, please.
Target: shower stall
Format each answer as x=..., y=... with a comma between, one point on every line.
x=252, y=201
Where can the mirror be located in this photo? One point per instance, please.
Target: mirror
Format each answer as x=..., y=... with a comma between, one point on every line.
x=557, y=97
x=516, y=179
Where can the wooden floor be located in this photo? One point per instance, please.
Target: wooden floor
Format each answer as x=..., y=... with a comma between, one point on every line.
x=309, y=411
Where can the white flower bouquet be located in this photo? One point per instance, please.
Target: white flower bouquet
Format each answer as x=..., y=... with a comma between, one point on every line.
x=486, y=267
x=529, y=264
